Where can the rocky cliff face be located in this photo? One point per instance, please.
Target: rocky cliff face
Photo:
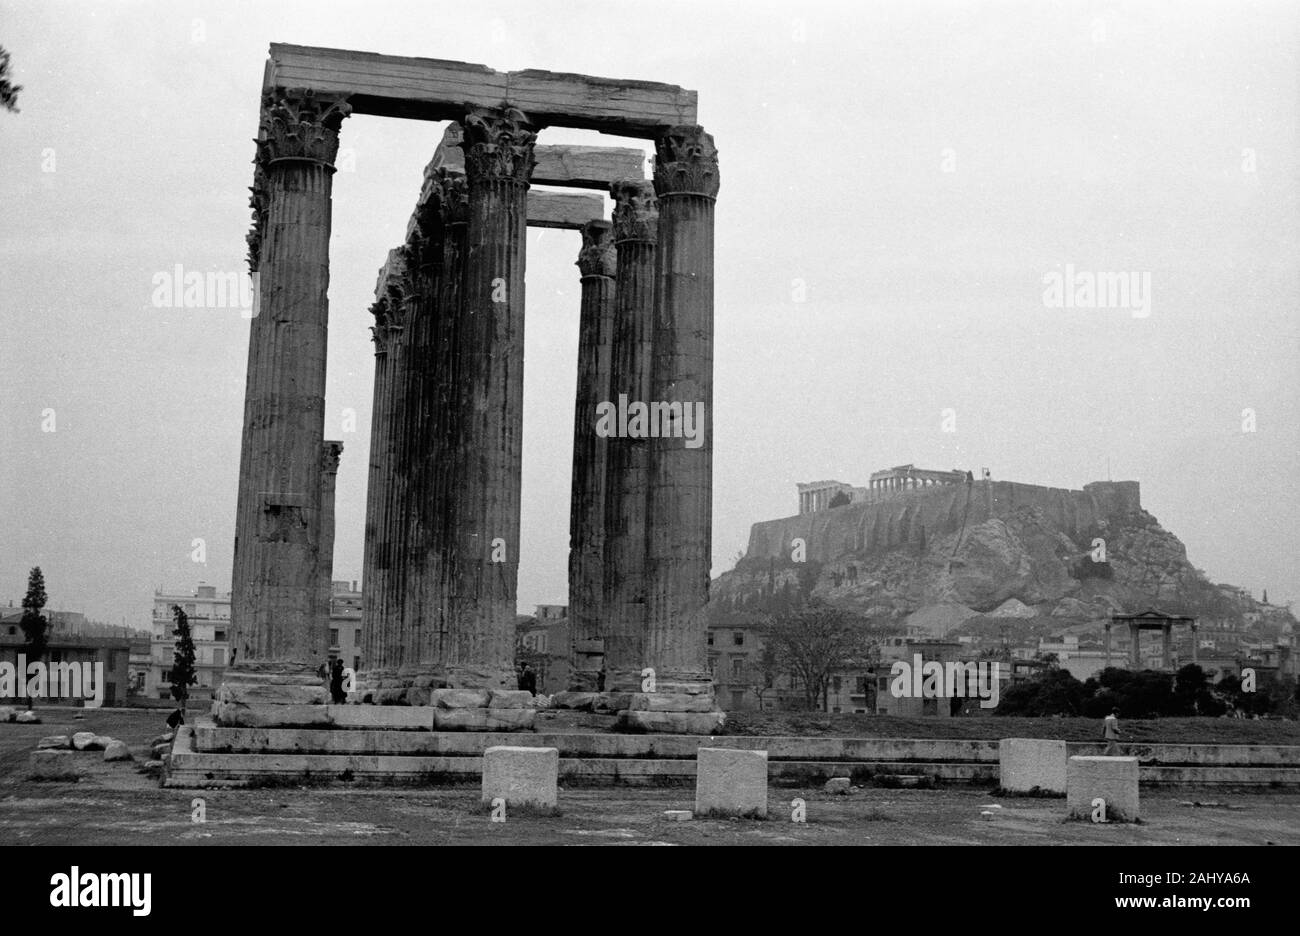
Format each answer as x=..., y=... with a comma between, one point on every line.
x=938, y=558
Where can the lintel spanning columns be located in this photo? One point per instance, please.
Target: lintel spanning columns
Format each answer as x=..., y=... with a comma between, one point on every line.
x=635, y=234
x=277, y=635
x=597, y=264
x=679, y=515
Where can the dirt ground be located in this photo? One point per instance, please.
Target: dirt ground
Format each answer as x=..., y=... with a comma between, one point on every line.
x=118, y=804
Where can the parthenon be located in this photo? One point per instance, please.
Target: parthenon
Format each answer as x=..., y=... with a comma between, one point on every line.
x=443, y=499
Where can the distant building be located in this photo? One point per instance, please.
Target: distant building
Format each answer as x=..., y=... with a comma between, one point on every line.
x=113, y=652
x=890, y=482
x=345, y=624
x=208, y=614
x=542, y=641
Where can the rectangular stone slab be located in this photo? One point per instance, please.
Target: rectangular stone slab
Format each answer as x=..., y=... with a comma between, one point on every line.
x=435, y=89
x=1113, y=779
x=592, y=167
x=730, y=782
x=567, y=212
x=522, y=776
x=1026, y=764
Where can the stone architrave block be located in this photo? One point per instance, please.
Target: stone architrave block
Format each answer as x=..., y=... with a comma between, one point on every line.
x=510, y=698
x=670, y=702
x=459, y=698
x=1113, y=779
x=1029, y=763
x=483, y=719
x=522, y=776
x=730, y=783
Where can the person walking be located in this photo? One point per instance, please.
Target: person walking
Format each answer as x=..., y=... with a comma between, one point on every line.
x=528, y=679
x=1110, y=731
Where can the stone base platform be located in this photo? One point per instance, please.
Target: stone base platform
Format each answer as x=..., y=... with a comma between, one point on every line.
x=402, y=751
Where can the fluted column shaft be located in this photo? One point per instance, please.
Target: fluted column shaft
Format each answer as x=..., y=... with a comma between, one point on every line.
x=371, y=633
x=483, y=547
x=274, y=625
x=596, y=263
x=681, y=468
x=635, y=220
x=331, y=451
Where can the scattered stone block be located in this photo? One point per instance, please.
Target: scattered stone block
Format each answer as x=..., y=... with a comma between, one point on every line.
x=670, y=702
x=1029, y=763
x=574, y=700
x=611, y=702
x=839, y=785
x=510, y=698
x=56, y=742
x=731, y=782
x=8, y=713
x=459, y=698
x=116, y=751
x=83, y=740
x=100, y=743
x=54, y=765
x=540, y=702
x=1112, y=779
x=27, y=718
x=678, y=815
x=522, y=776
x=696, y=723
x=483, y=719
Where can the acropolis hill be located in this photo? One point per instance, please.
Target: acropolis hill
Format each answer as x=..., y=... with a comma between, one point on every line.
x=936, y=552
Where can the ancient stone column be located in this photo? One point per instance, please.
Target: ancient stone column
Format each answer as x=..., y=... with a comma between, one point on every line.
x=277, y=638
x=329, y=473
x=635, y=233
x=420, y=595
x=386, y=497
x=372, y=628
x=679, y=517
x=597, y=265
x=483, y=546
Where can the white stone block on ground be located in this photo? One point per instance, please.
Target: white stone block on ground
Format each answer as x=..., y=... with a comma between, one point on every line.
x=510, y=698
x=54, y=765
x=1026, y=763
x=8, y=713
x=83, y=740
x=522, y=776
x=459, y=698
x=1113, y=779
x=27, y=718
x=116, y=751
x=730, y=783
x=56, y=742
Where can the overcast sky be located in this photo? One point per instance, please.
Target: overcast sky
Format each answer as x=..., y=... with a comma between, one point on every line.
x=910, y=171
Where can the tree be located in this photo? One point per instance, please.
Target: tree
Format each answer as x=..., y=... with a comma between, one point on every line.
x=8, y=92
x=183, y=670
x=814, y=641
x=761, y=673
x=35, y=625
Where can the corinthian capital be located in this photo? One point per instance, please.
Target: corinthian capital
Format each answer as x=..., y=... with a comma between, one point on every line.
x=302, y=125
x=498, y=145
x=330, y=453
x=686, y=163
x=636, y=211
x=597, y=256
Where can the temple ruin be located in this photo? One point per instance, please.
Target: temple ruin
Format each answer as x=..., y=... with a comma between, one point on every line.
x=443, y=499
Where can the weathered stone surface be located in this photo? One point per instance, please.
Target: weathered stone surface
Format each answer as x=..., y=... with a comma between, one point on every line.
x=483, y=719
x=100, y=743
x=540, y=702
x=273, y=694
x=678, y=815
x=56, y=742
x=610, y=702
x=1112, y=779
x=523, y=776
x=574, y=700
x=510, y=698
x=8, y=713
x=838, y=785
x=54, y=765
x=116, y=751
x=1029, y=763
x=460, y=698
x=731, y=782
x=671, y=702
x=84, y=741
x=697, y=723
x=27, y=718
